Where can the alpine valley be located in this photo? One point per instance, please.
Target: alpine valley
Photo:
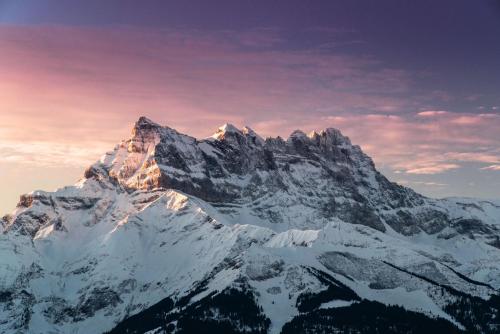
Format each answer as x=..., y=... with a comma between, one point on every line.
x=240, y=234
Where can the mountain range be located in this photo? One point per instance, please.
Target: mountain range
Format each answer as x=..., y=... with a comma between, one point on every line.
x=235, y=233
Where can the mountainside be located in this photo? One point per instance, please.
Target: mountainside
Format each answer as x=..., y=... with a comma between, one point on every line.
x=240, y=234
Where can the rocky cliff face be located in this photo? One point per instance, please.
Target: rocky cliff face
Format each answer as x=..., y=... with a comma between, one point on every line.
x=176, y=232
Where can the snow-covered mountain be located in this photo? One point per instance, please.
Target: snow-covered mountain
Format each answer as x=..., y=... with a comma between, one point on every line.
x=240, y=234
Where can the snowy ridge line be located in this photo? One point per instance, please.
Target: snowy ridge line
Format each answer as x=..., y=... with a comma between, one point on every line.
x=243, y=225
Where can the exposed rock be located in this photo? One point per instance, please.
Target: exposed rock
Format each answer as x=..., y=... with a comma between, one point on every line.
x=234, y=233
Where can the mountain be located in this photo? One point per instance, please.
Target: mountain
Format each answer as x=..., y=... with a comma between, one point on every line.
x=240, y=234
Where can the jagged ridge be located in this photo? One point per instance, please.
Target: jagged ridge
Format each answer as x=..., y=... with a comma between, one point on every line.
x=165, y=215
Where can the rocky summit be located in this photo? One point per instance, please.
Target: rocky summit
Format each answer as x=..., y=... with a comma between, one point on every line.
x=235, y=233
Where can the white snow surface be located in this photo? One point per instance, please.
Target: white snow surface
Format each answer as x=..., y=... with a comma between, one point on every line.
x=115, y=230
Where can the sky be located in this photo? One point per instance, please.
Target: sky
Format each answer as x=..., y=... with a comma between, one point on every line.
x=415, y=83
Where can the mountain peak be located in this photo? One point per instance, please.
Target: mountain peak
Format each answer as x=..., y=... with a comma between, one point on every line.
x=144, y=121
x=229, y=128
x=144, y=133
x=225, y=129
x=329, y=136
x=297, y=134
x=336, y=136
x=247, y=131
x=143, y=125
x=313, y=134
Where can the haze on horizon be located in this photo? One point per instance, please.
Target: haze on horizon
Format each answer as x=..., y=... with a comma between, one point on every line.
x=415, y=84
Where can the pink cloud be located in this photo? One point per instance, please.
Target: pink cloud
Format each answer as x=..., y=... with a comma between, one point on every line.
x=50, y=154
x=492, y=167
x=467, y=120
x=69, y=94
x=431, y=113
x=431, y=184
x=86, y=86
x=474, y=156
x=433, y=168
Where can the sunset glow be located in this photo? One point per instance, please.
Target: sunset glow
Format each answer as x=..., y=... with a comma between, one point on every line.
x=70, y=91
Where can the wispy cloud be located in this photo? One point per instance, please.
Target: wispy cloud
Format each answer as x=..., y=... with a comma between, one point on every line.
x=433, y=168
x=431, y=113
x=74, y=85
x=492, y=167
x=51, y=154
x=69, y=94
x=422, y=183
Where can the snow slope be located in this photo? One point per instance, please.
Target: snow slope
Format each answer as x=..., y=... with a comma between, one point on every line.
x=165, y=215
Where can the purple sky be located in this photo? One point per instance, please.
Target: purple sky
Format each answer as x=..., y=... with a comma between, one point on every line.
x=415, y=83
